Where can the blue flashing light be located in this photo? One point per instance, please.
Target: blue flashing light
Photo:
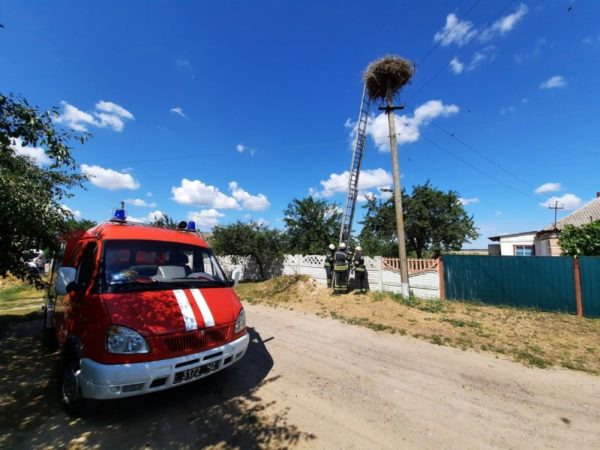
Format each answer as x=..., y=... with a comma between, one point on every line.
x=120, y=215
x=191, y=225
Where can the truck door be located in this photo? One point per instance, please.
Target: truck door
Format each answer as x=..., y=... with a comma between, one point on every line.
x=71, y=304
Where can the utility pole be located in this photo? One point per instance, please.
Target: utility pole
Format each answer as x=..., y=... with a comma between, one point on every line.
x=389, y=109
x=556, y=208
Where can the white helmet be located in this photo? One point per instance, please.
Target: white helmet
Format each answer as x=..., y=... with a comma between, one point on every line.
x=331, y=247
x=342, y=246
x=358, y=248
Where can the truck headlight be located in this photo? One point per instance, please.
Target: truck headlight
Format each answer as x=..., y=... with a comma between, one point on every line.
x=125, y=341
x=240, y=323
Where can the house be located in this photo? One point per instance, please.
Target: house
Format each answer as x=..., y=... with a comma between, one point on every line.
x=545, y=241
x=517, y=244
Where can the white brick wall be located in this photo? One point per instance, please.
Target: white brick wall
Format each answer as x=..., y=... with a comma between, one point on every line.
x=423, y=285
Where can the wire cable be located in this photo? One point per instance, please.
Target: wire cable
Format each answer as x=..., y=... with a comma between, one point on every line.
x=482, y=155
x=479, y=170
x=437, y=44
x=478, y=33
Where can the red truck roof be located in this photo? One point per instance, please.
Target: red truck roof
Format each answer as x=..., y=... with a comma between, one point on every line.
x=112, y=230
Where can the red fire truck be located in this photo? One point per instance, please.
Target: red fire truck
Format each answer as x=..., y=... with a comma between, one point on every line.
x=137, y=309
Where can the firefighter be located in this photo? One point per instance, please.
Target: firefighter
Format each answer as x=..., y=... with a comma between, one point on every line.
x=340, y=270
x=360, y=271
x=329, y=264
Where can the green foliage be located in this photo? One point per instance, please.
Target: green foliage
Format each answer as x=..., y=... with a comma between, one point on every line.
x=165, y=221
x=581, y=241
x=311, y=225
x=31, y=215
x=434, y=222
x=257, y=241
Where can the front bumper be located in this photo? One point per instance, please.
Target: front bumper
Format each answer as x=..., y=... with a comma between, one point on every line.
x=108, y=381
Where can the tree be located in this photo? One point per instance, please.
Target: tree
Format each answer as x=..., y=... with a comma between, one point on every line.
x=434, y=221
x=254, y=240
x=165, y=221
x=581, y=241
x=32, y=215
x=311, y=225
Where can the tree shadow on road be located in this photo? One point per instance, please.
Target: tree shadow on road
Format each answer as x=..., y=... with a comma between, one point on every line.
x=223, y=410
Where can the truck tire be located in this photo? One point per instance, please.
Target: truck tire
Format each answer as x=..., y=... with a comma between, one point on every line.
x=71, y=398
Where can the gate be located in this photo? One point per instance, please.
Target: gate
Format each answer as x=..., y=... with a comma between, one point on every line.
x=590, y=285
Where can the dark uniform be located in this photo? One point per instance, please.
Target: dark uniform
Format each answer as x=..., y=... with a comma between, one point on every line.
x=329, y=267
x=340, y=271
x=360, y=273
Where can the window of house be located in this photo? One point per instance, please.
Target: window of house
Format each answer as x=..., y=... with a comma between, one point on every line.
x=524, y=250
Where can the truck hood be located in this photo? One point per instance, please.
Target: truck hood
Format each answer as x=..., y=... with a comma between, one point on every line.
x=172, y=311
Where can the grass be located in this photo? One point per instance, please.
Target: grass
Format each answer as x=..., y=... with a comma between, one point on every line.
x=18, y=301
x=531, y=337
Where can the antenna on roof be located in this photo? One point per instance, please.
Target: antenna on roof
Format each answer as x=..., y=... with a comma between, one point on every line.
x=556, y=208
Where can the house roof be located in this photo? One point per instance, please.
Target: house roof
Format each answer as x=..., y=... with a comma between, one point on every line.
x=523, y=233
x=584, y=215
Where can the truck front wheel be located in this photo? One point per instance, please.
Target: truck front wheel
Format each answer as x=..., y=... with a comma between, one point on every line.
x=72, y=400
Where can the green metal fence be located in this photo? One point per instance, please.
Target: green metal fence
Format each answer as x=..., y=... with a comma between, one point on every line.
x=590, y=285
x=543, y=282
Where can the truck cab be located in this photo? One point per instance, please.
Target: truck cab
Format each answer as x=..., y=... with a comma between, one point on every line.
x=137, y=309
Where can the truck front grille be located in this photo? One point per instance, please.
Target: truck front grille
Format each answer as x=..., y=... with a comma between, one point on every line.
x=199, y=340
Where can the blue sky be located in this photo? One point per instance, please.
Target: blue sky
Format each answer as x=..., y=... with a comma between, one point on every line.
x=228, y=110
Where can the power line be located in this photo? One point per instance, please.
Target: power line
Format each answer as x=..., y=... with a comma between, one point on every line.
x=479, y=170
x=474, y=150
x=437, y=44
x=206, y=155
x=436, y=74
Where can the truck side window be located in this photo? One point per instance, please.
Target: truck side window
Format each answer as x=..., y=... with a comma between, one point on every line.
x=86, y=265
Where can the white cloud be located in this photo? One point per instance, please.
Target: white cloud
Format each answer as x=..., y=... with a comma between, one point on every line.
x=114, y=109
x=240, y=148
x=553, y=82
x=75, y=118
x=456, y=66
x=504, y=24
x=36, y=154
x=407, y=127
x=177, y=110
x=206, y=218
x=533, y=54
x=486, y=54
x=106, y=114
x=250, y=202
x=140, y=202
x=468, y=201
x=547, y=188
x=149, y=194
x=569, y=201
x=458, y=32
x=108, y=178
x=76, y=214
x=338, y=183
x=195, y=192
x=461, y=32
x=507, y=110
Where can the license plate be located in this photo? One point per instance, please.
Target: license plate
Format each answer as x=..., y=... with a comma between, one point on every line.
x=195, y=372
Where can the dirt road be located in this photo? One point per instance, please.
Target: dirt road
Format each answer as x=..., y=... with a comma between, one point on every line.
x=309, y=382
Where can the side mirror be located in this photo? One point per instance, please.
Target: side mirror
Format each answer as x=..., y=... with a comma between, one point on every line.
x=236, y=277
x=65, y=276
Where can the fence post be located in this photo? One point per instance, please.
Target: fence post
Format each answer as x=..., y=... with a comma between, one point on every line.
x=298, y=259
x=380, y=268
x=577, y=281
x=441, y=277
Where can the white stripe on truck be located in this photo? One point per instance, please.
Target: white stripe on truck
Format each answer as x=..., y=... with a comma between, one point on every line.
x=209, y=320
x=186, y=310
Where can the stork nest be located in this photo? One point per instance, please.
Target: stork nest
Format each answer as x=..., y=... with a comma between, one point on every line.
x=391, y=71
